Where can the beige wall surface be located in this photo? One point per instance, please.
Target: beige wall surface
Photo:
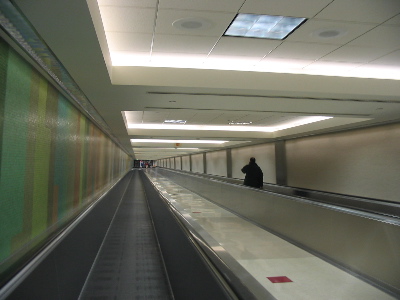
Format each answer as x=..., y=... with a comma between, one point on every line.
x=216, y=163
x=178, y=163
x=265, y=158
x=197, y=163
x=363, y=162
x=186, y=163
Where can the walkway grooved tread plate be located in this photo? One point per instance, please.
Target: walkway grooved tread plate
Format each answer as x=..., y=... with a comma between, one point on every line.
x=129, y=265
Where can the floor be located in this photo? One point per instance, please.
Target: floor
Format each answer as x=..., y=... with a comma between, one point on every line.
x=286, y=271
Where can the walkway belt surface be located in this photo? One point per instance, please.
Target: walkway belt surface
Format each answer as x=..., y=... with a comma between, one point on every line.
x=129, y=264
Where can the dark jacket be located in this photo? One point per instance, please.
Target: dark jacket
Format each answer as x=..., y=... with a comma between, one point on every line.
x=254, y=175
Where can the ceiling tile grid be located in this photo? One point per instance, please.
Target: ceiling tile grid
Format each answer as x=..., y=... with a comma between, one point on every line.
x=333, y=32
x=355, y=54
x=300, y=50
x=204, y=5
x=244, y=46
x=312, y=32
x=304, y=8
x=340, y=36
x=127, y=41
x=363, y=11
x=127, y=19
x=183, y=43
x=135, y=3
x=216, y=22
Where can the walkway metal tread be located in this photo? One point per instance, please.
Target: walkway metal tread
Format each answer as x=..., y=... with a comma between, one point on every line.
x=129, y=265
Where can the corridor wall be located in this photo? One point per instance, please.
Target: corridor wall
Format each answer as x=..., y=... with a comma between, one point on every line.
x=197, y=163
x=361, y=162
x=178, y=164
x=54, y=160
x=186, y=163
x=265, y=158
x=364, y=162
x=216, y=163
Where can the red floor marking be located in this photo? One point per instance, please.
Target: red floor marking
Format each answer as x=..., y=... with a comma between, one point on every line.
x=279, y=279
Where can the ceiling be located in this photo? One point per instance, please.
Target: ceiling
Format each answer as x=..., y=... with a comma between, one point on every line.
x=136, y=67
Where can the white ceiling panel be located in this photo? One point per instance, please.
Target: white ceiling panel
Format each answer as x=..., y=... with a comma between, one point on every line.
x=276, y=63
x=205, y=5
x=387, y=37
x=310, y=32
x=120, y=58
x=392, y=59
x=136, y=3
x=181, y=115
x=355, y=54
x=133, y=116
x=128, y=19
x=244, y=46
x=226, y=117
x=374, y=69
x=231, y=62
x=274, y=120
x=202, y=118
x=368, y=11
x=215, y=23
x=178, y=59
x=335, y=66
x=154, y=117
x=289, y=8
x=393, y=21
x=302, y=50
x=123, y=41
x=183, y=43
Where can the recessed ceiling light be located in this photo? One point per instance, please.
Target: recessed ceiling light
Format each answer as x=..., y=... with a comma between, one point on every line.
x=192, y=24
x=263, y=26
x=239, y=123
x=175, y=122
x=329, y=33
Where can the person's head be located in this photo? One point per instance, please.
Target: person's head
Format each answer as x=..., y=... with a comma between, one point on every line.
x=252, y=160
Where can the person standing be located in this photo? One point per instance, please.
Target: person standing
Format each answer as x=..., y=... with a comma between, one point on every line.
x=254, y=176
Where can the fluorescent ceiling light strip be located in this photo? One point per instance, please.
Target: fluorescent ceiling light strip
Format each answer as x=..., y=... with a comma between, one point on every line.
x=296, y=123
x=178, y=141
x=156, y=149
x=290, y=67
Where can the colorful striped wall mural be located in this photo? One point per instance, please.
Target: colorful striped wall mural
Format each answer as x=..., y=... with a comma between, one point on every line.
x=54, y=160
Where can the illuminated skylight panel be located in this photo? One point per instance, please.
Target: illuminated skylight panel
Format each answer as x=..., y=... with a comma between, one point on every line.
x=263, y=26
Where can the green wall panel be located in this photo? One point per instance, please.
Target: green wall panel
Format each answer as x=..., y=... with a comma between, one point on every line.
x=14, y=151
x=54, y=160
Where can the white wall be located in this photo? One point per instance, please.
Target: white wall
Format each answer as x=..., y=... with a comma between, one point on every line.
x=172, y=163
x=178, y=163
x=265, y=158
x=364, y=162
x=216, y=163
x=197, y=163
x=186, y=163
